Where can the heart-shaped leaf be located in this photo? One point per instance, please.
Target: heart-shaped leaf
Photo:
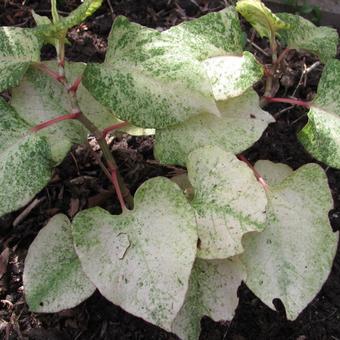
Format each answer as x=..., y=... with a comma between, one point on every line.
x=229, y=202
x=141, y=260
x=19, y=47
x=25, y=161
x=321, y=135
x=212, y=292
x=155, y=79
x=241, y=124
x=292, y=257
x=53, y=277
x=265, y=22
x=304, y=35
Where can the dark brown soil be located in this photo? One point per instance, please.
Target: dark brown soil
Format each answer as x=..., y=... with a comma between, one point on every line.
x=78, y=183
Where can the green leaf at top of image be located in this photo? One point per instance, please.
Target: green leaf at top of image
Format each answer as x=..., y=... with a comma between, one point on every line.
x=321, y=135
x=141, y=260
x=228, y=200
x=19, y=48
x=264, y=21
x=154, y=79
x=53, y=278
x=304, y=35
x=292, y=258
x=58, y=29
x=25, y=161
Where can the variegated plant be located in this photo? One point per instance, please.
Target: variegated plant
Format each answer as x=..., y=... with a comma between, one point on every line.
x=180, y=248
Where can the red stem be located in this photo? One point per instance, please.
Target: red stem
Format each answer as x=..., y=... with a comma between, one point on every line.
x=113, y=127
x=288, y=100
x=282, y=55
x=74, y=87
x=55, y=120
x=115, y=182
x=55, y=75
x=256, y=173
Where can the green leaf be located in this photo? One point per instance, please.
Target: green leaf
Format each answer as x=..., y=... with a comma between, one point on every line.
x=19, y=48
x=292, y=257
x=241, y=124
x=265, y=22
x=25, y=161
x=141, y=260
x=53, y=278
x=229, y=201
x=321, y=135
x=212, y=292
x=58, y=29
x=304, y=35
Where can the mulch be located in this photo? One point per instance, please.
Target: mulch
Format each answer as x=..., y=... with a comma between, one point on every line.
x=78, y=183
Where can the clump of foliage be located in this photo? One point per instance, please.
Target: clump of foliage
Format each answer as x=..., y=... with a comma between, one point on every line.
x=180, y=248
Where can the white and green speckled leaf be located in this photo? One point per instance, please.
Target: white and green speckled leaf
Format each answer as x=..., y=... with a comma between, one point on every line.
x=149, y=80
x=292, y=257
x=25, y=161
x=272, y=173
x=304, y=35
x=53, y=278
x=230, y=76
x=19, y=48
x=265, y=22
x=141, y=260
x=321, y=135
x=212, y=292
x=229, y=201
x=39, y=98
x=241, y=124
x=211, y=35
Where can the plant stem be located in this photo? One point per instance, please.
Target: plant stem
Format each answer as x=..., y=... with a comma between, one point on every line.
x=256, y=173
x=121, y=190
x=288, y=100
x=54, y=120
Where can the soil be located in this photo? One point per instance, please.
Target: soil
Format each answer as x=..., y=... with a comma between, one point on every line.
x=78, y=183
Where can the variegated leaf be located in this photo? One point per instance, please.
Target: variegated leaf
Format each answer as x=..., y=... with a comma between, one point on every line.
x=53, y=277
x=321, y=135
x=25, y=161
x=155, y=79
x=211, y=35
x=229, y=201
x=141, y=260
x=19, y=48
x=292, y=257
x=231, y=76
x=241, y=124
x=304, y=35
x=39, y=98
x=147, y=80
x=212, y=292
x=265, y=22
